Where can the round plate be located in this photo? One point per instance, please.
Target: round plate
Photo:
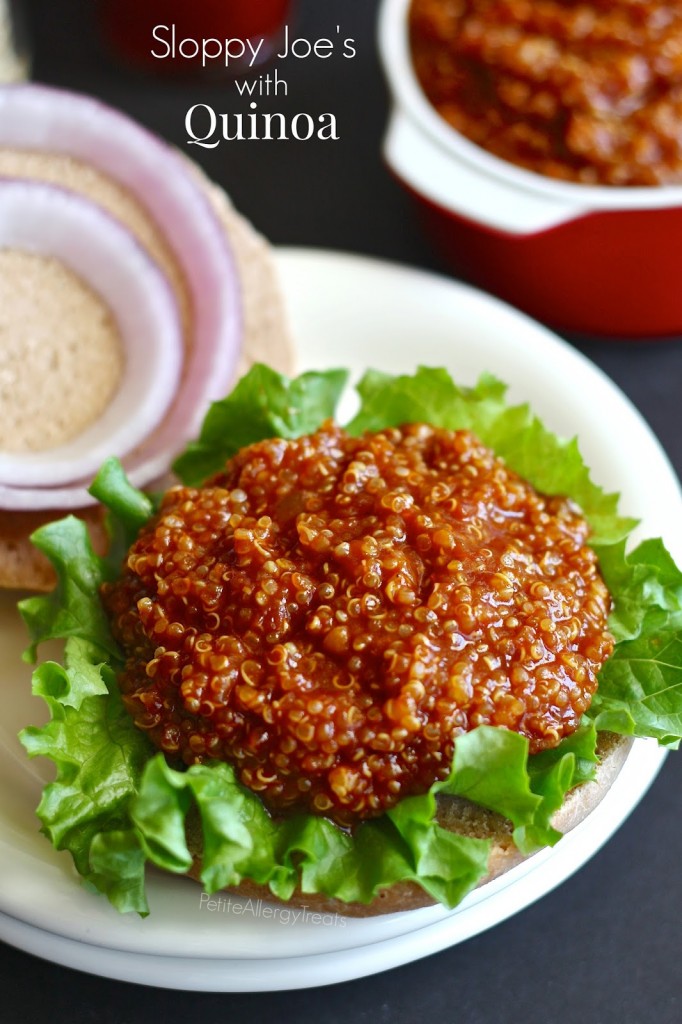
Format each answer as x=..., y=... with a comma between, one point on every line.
x=346, y=311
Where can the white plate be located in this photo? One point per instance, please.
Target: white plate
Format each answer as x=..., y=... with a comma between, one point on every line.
x=355, y=312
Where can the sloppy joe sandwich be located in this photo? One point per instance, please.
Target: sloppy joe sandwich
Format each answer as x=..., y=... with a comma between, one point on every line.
x=169, y=230
x=368, y=667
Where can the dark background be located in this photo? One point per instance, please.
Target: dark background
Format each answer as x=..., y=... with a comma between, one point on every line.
x=606, y=946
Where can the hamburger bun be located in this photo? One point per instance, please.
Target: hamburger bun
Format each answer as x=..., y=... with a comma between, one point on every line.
x=455, y=814
x=265, y=337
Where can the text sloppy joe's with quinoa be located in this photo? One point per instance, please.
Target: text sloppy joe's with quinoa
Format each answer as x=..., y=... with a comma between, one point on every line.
x=590, y=92
x=329, y=613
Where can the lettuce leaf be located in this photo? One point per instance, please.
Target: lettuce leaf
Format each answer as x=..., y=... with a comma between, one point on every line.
x=99, y=760
x=116, y=806
x=263, y=404
x=69, y=610
x=640, y=687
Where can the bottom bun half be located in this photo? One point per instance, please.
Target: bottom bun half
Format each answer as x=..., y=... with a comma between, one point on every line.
x=266, y=334
x=456, y=815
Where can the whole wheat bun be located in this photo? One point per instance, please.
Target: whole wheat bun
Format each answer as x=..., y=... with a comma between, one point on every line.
x=266, y=336
x=456, y=815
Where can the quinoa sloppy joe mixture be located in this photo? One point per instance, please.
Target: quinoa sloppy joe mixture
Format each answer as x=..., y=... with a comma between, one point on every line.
x=329, y=613
x=584, y=91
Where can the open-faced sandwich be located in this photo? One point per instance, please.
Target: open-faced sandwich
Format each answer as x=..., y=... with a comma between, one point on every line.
x=131, y=295
x=367, y=667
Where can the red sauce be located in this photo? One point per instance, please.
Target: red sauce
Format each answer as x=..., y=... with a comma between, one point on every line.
x=589, y=91
x=330, y=613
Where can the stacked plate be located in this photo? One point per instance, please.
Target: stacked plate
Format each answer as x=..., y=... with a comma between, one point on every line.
x=397, y=318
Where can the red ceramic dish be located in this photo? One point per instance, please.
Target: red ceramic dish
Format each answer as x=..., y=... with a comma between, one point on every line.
x=592, y=259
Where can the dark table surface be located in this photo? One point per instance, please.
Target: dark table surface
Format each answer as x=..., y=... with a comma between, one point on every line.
x=605, y=947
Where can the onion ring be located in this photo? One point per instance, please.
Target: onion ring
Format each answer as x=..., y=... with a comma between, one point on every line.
x=52, y=120
x=51, y=221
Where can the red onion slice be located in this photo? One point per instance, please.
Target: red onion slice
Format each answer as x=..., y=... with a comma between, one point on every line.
x=51, y=221
x=51, y=120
